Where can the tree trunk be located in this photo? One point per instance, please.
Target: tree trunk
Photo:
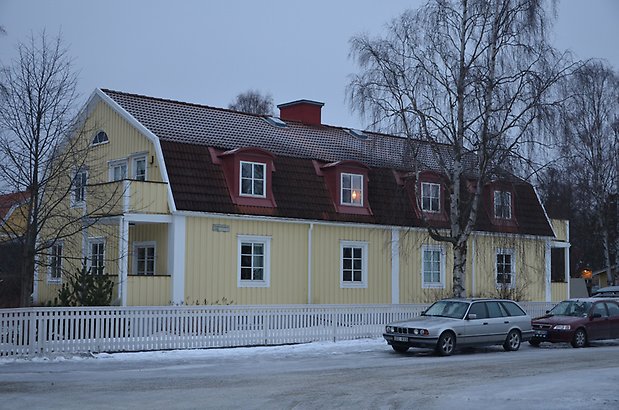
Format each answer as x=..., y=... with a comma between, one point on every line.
x=459, y=270
x=26, y=276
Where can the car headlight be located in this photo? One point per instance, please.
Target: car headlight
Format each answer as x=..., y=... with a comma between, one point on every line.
x=561, y=327
x=389, y=329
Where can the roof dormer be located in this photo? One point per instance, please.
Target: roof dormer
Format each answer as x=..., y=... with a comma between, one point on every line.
x=500, y=202
x=427, y=193
x=347, y=182
x=248, y=173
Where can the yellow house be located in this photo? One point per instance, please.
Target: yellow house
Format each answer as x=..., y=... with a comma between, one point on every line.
x=216, y=206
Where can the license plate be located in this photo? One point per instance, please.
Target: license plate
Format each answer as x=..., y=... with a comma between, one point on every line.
x=541, y=333
x=400, y=338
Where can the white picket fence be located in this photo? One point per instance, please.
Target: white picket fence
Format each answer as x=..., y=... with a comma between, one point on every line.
x=45, y=331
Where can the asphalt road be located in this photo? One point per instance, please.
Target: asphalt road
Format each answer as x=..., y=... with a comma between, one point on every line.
x=359, y=375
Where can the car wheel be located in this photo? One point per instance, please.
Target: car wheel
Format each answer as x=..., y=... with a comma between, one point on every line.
x=534, y=343
x=446, y=344
x=400, y=348
x=512, y=342
x=580, y=338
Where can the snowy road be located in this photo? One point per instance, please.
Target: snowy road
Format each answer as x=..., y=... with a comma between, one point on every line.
x=363, y=374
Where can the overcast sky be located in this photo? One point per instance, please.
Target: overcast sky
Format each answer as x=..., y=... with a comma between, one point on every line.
x=207, y=52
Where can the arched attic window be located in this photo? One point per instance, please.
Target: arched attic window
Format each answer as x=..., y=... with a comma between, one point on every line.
x=100, y=138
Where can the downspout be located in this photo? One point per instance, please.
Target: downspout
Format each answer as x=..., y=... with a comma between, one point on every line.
x=123, y=259
x=473, y=265
x=309, y=263
x=547, y=281
x=395, y=266
x=566, y=256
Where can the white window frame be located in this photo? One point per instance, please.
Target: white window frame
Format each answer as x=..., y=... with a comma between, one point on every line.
x=430, y=185
x=55, y=260
x=112, y=165
x=144, y=245
x=512, y=253
x=92, y=241
x=107, y=138
x=253, y=179
x=75, y=202
x=266, y=278
x=364, y=264
x=498, y=201
x=441, y=283
x=351, y=189
x=134, y=167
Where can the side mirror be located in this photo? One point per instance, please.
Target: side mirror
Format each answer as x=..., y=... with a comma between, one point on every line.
x=472, y=316
x=548, y=311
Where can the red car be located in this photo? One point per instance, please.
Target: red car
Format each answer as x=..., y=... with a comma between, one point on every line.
x=577, y=321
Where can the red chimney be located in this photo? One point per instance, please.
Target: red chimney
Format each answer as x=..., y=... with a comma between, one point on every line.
x=305, y=111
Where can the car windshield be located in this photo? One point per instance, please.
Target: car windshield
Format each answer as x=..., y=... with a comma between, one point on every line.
x=447, y=308
x=571, y=308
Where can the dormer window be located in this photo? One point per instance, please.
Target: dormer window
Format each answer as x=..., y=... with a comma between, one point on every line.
x=502, y=204
x=249, y=175
x=430, y=197
x=100, y=138
x=352, y=189
x=253, y=182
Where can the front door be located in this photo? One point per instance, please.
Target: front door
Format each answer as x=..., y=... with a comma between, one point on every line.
x=598, y=327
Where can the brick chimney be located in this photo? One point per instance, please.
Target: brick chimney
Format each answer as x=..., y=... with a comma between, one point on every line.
x=305, y=111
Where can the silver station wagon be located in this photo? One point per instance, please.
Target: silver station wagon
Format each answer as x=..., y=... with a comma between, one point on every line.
x=462, y=322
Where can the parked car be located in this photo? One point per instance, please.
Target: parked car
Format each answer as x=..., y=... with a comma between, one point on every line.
x=607, y=292
x=462, y=322
x=578, y=321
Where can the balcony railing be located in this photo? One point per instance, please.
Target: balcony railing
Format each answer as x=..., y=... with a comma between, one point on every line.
x=127, y=196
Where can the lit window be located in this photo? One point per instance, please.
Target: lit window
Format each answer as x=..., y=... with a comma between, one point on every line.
x=144, y=254
x=430, y=197
x=96, y=256
x=253, y=181
x=353, y=264
x=352, y=189
x=502, y=204
x=55, y=263
x=78, y=193
x=139, y=168
x=505, y=268
x=432, y=267
x=118, y=170
x=100, y=138
x=254, y=261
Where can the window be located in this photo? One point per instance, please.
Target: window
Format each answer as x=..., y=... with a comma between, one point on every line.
x=139, y=168
x=503, y=204
x=100, y=138
x=253, y=182
x=254, y=261
x=495, y=309
x=96, y=256
x=430, y=197
x=479, y=309
x=505, y=268
x=118, y=170
x=54, y=271
x=432, y=267
x=144, y=258
x=601, y=309
x=354, y=263
x=352, y=189
x=78, y=193
x=613, y=309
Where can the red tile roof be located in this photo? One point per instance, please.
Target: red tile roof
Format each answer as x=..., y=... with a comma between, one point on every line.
x=8, y=201
x=187, y=130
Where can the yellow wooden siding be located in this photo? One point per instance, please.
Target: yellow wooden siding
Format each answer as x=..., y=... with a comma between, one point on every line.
x=529, y=260
x=411, y=291
x=124, y=140
x=559, y=291
x=560, y=227
x=148, y=197
x=157, y=233
x=326, y=265
x=148, y=290
x=211, y=271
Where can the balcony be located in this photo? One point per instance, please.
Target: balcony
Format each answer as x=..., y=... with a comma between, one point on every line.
x=127, y=196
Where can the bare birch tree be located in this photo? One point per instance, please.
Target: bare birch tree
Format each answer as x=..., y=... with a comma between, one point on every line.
x=40, y=152
x=590, y=119
x=470, y=75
